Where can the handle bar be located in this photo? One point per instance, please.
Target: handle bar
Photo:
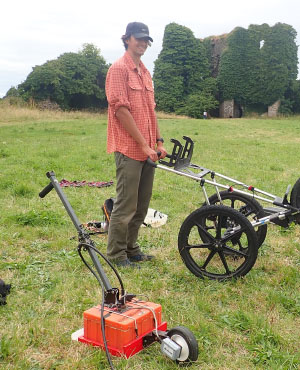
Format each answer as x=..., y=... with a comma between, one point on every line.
x=49, y=187
x=151, y=163
x=46, y=190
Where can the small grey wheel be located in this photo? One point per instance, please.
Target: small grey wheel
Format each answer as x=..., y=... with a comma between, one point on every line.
x=188, y=343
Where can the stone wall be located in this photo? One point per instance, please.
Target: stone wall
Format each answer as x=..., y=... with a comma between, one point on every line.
x=227, y=109
x=273, y=109
x=217, y=46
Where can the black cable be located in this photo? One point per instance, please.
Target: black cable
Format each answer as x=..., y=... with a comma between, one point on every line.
x=86, y=246
x=103, y=331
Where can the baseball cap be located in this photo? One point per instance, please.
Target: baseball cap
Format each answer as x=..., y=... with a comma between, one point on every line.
x=138, y=30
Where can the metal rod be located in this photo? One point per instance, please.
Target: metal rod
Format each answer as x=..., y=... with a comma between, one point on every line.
x=244, y=185
x=78, y=226
x=237, y=182
x=99, y=269
x=65, y=202
x=195, y=177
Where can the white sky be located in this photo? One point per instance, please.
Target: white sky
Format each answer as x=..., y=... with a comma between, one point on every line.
x=34, y=31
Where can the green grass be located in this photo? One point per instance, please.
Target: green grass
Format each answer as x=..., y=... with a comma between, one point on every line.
x=252, y=323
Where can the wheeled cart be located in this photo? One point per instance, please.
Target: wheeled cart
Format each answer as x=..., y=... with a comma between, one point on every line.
x=220, y=240
x=123, y=324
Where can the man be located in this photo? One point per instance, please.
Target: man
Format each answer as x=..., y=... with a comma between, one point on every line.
x=133, y=135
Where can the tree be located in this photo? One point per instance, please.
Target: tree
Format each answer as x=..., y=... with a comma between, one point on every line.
x=291, y=101
x=240, y=67
x=73, y=80
x=279, y=59
x=252, y=73
x=181, y=73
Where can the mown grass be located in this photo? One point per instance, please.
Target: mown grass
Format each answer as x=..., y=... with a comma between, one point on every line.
x=252, y=323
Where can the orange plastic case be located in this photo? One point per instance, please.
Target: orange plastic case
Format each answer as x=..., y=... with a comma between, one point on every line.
x=125, y=329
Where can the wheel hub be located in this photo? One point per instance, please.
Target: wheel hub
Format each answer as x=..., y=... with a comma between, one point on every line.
x=184, y=347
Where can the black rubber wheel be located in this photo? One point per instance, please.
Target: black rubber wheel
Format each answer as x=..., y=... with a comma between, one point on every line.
x=248, y=206
x=189, y=345
x=295, y=199
x=218, y=242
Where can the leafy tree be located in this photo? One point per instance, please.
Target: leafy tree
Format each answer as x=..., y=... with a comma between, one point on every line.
x=181, y=71
x=13, y=91
x=240, y=67
x=291, y=101
x=255, y=74
x=73, y=80
x=279, y=58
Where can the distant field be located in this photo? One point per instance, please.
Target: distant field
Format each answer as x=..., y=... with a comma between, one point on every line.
x=252, y=323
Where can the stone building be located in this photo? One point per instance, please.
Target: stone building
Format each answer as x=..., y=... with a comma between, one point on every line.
x=228, y=108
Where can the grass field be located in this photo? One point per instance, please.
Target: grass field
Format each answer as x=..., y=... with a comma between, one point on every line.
x=251, y=323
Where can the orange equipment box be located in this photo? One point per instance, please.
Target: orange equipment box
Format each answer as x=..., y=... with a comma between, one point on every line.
x=124, y=329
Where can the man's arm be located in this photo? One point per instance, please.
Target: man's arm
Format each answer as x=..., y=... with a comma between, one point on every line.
x=126, y=119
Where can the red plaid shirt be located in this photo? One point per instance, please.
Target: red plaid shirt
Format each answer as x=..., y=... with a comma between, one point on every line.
x=125, y=87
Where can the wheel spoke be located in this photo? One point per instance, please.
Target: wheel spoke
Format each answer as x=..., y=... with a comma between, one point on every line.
x=246, y=211
x=234, y=234
x=240, y=244
x=235, y=251
x=208, y=259
x=219, y=227
x=223, y=259
x=205, y=231
x=199, y=246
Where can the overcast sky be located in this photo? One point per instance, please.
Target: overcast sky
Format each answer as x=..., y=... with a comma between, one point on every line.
x=35, y=31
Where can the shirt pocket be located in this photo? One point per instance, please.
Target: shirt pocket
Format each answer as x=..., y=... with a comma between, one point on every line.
x=134, y=84
x=135, y=94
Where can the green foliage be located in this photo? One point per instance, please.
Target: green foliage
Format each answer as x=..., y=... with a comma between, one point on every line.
x=279, y=58
x=291, y=98
x=13, y=91
x=181, y=73
x=196, y=104
x=73, y=80
x=253, y=74
x=286, y=106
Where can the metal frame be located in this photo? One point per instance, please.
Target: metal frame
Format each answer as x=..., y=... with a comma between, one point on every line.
x=179, y=163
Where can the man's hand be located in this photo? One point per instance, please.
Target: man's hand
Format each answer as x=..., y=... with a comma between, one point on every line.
x=150, y=153
x=161, y=149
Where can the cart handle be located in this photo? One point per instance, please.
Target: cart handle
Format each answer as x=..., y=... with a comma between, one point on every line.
x=47, y=188
x=151, y=163
x=175, y=155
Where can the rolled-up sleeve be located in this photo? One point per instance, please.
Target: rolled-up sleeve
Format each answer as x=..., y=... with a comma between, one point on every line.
x=116, y=88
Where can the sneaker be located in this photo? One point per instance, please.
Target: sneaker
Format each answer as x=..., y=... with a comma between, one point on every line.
x=140, y=257
x=126, y=263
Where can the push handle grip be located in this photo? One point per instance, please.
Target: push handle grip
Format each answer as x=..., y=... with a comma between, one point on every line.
x=46, y=190
x=153, y=164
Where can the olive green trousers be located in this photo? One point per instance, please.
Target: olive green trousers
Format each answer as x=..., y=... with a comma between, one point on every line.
x=134, y=190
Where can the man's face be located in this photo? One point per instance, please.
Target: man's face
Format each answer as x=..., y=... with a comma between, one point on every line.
x=137, y=46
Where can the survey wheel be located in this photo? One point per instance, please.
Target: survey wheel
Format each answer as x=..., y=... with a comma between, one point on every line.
x=218, y=242
x=295, y=199
x=248, y=206
x=188, y=343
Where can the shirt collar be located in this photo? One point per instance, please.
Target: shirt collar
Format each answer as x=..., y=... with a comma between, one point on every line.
x=131, y=63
